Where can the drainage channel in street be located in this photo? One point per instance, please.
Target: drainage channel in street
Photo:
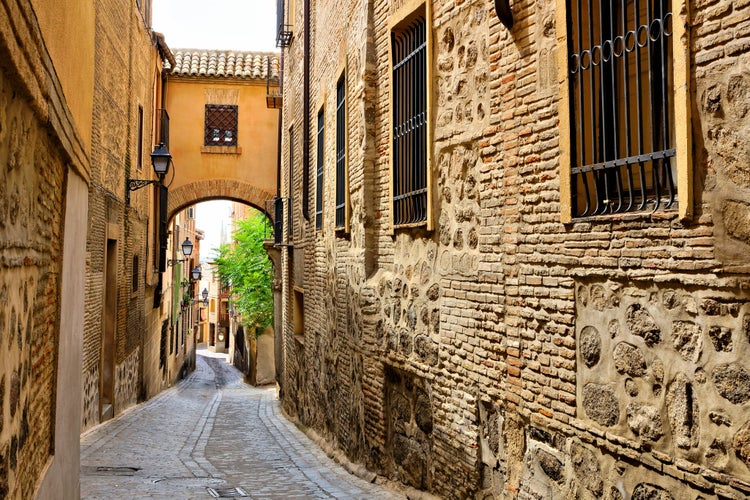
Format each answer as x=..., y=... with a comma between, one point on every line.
x=227, y=492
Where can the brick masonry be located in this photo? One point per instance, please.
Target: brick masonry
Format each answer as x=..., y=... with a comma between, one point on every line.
x=228, y=189
x=31, y=211
x=601, y=358
x=123, y=82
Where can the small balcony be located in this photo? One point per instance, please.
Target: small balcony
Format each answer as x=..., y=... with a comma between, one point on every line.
x=273, y=88
x=283, y=30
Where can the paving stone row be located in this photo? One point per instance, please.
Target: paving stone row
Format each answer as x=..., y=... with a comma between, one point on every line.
x=212, y=431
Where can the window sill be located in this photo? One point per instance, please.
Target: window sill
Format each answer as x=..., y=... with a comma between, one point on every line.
x=226, y=150
x=413, y=226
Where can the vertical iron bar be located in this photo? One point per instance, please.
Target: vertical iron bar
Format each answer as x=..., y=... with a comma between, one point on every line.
x=409, y=125
x=396, y=117
x=639, y=97
x=592, y=105
x=605, y=111
x=654, y=100
x=421, y=122
x=611, y=69
x=666, y=98
x=290, y=215
x=412, y=118
x=627, y=115
x=581, y=122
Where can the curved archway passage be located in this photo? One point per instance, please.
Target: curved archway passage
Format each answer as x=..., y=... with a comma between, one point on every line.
x=213, y=189
x=233, y=244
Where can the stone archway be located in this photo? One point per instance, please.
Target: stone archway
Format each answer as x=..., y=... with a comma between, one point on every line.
x=212, y=189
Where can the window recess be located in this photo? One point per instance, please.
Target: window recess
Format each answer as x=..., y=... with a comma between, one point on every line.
x=410, y=122
x=621, y=105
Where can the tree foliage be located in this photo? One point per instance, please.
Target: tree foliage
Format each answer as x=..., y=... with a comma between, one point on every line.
x=244, y=266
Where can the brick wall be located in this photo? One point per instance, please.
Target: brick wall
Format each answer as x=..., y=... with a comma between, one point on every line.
x=31, y=230
x=597, y=358
x=124, y=78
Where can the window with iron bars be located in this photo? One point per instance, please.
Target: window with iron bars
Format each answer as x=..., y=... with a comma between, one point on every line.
x=341, y=153
x=220, y=125
x=319, y=181
x=409, y=80
x=290, y=205
x=621, y=94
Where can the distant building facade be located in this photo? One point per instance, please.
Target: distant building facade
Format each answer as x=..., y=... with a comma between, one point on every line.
x=514, y=255
x=99, y=309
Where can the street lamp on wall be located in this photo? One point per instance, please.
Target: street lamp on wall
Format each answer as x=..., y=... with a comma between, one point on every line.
x=160, y=160
x=204, y=294
x=187, y=249
x=196, y=273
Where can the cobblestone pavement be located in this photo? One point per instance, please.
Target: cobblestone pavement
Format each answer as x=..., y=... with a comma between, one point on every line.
x=211, y=435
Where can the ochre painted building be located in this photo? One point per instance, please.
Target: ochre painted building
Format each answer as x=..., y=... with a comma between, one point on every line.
x=45, y=150
x=223, y=138
x=514, y=256
x=98, y=309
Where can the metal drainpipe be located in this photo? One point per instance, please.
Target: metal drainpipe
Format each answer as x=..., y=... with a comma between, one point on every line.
x=306, y=116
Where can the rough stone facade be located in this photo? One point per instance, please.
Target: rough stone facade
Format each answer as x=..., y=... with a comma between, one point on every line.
x=120, y=220
x=506, y=353
x=43, y=159
x=30, y=234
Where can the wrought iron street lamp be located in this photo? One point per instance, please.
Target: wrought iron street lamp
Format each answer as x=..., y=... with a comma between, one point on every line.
x=160, y=160
x=196, y=273
x=187, y=249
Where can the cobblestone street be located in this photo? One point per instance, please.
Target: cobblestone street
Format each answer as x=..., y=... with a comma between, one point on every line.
x=211, y=435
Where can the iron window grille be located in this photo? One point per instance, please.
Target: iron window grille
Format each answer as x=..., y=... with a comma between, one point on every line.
x=139, y=141
x=341, y=153
x=290, y=206
x=319, y=180
x=410, y=123
x=621, y=106
x=163, y=344
x=278, y=220
x=134, y=282
x=283, y=29
x=221, y=125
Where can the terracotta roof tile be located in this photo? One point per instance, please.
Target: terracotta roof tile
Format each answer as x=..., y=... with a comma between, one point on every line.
x=224, y=64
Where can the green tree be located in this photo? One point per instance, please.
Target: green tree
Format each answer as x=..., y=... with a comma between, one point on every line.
x=244, y=266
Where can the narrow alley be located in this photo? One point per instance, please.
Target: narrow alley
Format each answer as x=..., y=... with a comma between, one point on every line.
x=212, y=435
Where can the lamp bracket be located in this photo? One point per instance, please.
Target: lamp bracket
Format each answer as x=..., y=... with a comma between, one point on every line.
x=171, y=262
x=504, y=12
x=135, y=184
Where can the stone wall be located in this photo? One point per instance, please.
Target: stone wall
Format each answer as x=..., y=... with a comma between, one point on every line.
x=124, y=82
x=32, y=180
x=127, y=382
x=597, y=359
x=44, y=170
